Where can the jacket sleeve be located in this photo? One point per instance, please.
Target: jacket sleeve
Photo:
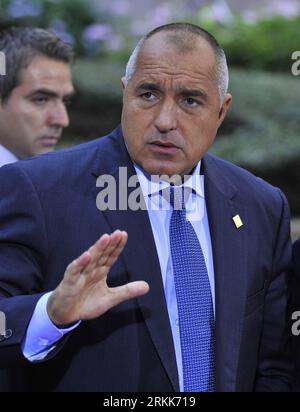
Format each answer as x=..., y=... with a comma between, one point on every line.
x=23, y=258
x=295, y=311
x=296, y=258
x=275, y=372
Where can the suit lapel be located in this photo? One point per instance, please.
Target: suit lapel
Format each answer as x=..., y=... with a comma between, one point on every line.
x=229, y=255
x=140, y=257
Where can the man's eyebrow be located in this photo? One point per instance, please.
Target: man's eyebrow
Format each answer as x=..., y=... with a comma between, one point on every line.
x=149, y=86
x=50, y=93
x=192, y=93
x=183, y=91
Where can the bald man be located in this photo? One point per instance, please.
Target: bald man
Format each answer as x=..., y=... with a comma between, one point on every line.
x=139, y=262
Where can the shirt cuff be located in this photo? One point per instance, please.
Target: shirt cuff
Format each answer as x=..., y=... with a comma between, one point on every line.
x=42, y=334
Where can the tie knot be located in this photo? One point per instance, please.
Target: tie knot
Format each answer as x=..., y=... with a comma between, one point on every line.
x=178, y=197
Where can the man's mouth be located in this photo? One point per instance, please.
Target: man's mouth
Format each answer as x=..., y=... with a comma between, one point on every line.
x=49, y=141
x=163, y=147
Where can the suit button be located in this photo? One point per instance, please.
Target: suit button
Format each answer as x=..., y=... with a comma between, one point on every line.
x=8, y=333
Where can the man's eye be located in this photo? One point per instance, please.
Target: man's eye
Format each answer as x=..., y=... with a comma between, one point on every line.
x=191, y=102
x=148, y=96
x=40, y=100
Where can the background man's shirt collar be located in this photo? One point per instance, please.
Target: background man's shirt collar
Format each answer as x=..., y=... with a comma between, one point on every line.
x=6, y=156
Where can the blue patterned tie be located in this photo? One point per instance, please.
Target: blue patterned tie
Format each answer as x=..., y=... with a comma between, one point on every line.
x=195, y=308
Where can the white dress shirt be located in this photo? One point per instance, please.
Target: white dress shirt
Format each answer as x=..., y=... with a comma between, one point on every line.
x=160, y=212
x=42, y=335
x=6, y=156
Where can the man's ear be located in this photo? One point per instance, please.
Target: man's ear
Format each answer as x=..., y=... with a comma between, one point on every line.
x=225, y=106
x=123, y=83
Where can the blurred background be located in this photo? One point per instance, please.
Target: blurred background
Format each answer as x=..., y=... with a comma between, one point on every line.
x=261, y=132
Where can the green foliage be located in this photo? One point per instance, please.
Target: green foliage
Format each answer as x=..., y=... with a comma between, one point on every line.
x=266, y=44
x=262, y=129
x=99, y=78
x=68, y=18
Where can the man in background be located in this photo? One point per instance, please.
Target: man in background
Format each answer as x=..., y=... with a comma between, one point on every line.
x=295, y=309
x=33, y=96
x=33, y=92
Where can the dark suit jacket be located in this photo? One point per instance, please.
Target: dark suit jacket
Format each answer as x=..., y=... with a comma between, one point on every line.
x=295, y=307
x=48, y=217
x=296, y=257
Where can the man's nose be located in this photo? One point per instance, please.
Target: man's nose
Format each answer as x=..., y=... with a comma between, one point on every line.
x=59, y=115
x=165, y=120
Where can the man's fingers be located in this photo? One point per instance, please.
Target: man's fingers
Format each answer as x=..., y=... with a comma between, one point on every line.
x=130, y=290
x=115, y=245
x=100, y=254
x=114, y=251
x=79, y=264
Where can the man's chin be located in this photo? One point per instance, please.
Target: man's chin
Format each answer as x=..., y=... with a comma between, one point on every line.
x=163, y=168
x=44, y=150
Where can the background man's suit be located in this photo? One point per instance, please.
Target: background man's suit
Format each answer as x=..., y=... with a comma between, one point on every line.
x=48, y=217
x=295, y=307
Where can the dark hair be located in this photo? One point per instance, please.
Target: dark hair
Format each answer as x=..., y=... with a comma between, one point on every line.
x=20, y=45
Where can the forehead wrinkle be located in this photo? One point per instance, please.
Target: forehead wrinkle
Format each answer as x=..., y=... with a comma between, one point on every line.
x=165, y=68
x=174, y=73
x=179, y=81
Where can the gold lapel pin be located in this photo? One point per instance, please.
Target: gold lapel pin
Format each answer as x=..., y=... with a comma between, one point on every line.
x=237, y=221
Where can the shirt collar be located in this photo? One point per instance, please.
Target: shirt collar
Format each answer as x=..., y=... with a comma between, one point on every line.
x=151, y=185
x=6, y=156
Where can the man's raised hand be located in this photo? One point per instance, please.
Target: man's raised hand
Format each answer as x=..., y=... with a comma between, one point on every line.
x=83, y=293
